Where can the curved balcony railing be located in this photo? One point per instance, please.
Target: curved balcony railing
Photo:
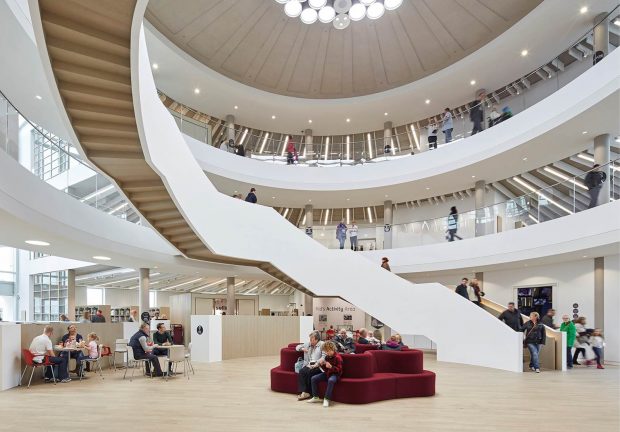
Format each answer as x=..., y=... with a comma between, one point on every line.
x=405, y=140
x=58, y=163
x=539, y=205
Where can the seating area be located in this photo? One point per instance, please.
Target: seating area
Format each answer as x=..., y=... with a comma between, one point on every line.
x=369, y=375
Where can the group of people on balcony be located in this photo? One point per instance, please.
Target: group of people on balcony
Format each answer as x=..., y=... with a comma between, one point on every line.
x=341, y=234
x=322, y=360
x=230, y=147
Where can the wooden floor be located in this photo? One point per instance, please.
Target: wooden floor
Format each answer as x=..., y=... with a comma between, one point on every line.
x=234, y=395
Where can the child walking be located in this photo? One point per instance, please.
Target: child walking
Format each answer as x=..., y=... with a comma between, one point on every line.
x=597, y=342
x=331, y=366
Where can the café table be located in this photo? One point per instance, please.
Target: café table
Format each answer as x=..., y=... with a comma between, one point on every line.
x=160, y=358
x=68, y=350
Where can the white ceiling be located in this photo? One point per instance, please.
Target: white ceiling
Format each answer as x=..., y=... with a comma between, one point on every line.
x=545, y=32
x=255, y=43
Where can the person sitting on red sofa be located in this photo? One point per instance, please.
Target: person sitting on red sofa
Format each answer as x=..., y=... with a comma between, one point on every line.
x=394, y=343
x=313, y=353
x=344, y=343
x=363, y=335
x=331, y=366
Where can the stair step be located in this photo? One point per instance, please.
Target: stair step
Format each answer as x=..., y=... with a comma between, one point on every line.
x=158, y=215
x=163, y=205
x=83, y=111
x=98, y=142
x=142, y=185
x=149, y=196
x=189, y=245
x=93, y=77
x=107, y=154
x=70, y=52
x=106, y=129
x=168, y=223
x=92, y=95
x=68, y=29
x=183, y=237
x=176, y=231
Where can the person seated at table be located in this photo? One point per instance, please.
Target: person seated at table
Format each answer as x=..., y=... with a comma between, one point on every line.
x=93, y=351
x=71, y=339
x=41, y=346
x=313, y=352
x=63, y=318
x=164, y=338
x=363, y=337
x=85, y=317
x=393, y=343
x=142, y=351
x=343, y=342
x=98, y=318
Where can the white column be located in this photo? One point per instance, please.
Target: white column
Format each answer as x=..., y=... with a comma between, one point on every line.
x=601, y=37
x=387, y=224
x=602, y=155
x=231, y=303
x=230, y=126
x=143, y=290
x=387, y=134
x=308, y=141
x=480, y=228
x=309, y=219
x=308, y=299
x=70, y=294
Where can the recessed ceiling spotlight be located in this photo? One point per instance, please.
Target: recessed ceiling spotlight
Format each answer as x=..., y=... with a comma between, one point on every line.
x=524, y=53
x=583, y=10
x=196, y=90
x=386, y=196
x=525, y=158
x=236, y=107
x=37, y=243
x=38, y=97
x=473, y=176
x=617, y=22
x=273, y=197
x=584, y=132
x=309, y=200
x=348, y=199
x=427, y=101
x=585, y=256
x=273, y=117
x=428, y=188
x=155, y=66
x=472, y=82
x=310, y=121
x=101, y=258
x=348, y=120
x=385, y=113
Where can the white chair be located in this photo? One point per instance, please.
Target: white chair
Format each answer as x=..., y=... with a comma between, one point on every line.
x=96, y=361
x=120, y=347
x=188, y=358
x=133, y=363
x=176, y=354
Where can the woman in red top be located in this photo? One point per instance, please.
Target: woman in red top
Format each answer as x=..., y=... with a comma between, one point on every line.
x=331, y=366
x=291, y=153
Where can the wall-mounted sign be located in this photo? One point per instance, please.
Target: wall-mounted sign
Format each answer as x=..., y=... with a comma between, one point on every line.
x=309, y=231
x=145, y=317
x=575, y=305
x=387, y=228
x=376, y=323
x=199, y=329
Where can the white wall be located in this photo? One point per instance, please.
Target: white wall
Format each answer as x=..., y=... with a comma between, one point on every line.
x=612, y=306
x=573, y=282
x=7, y=304
x=122, y=298
x=274, y=302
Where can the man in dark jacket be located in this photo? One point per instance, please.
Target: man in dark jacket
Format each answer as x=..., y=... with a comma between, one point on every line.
x=98, y=318
x=512, y=317
x=251, y=196
x=462, y=289
x=344, y=343
x=548, y=319
x=476, y=113
x=594, y=182
x=142, y=351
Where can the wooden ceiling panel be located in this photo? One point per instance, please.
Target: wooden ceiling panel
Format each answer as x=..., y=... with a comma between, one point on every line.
x=254, y=42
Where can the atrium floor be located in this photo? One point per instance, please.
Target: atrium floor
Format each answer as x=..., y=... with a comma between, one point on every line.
x=234, y=395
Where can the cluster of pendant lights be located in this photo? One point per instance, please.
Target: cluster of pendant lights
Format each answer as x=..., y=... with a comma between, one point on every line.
x=338, y=12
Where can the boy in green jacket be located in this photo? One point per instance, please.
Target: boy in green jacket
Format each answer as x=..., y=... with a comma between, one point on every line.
x=568, y=327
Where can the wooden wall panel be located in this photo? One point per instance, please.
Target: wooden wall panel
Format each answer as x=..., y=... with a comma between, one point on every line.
x=255, y=336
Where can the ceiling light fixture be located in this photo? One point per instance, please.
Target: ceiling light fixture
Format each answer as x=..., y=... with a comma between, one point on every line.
x=101, y=258
x=309, y=121
x=338, y=12
x=617, y=22
x=348, y=120
x=427, y=101
x=385, y=114
x=583, y=10
x=38, y=97
x=236, y=107
x=155, y=66
x=472, y=82
x=584, y=132
x=524, y=53
x=273, y=117
x=196, y=90
x=37, y=243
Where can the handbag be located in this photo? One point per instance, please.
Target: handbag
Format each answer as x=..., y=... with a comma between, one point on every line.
x=299, y=364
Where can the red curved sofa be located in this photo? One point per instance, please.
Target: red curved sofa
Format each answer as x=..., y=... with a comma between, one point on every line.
x=371, y=376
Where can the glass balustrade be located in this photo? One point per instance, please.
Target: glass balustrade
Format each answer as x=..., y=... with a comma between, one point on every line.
x=538, y=205
x=58, y=163
x=406, y=140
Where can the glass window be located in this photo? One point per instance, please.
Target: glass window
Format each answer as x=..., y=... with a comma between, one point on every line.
x=152, y=298
x=94, y=296
x=7, y=259
x=49, y=295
